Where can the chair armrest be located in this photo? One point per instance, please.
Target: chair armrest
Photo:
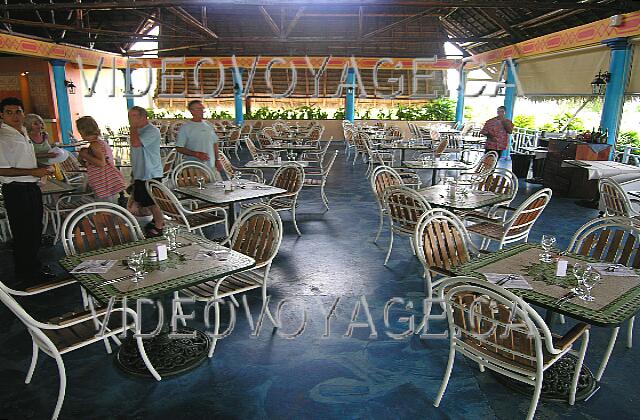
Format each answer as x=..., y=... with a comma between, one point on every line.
x=508, y=208
x=482, y=218
x=443, y=271
x=571, y=336
x=50, y=285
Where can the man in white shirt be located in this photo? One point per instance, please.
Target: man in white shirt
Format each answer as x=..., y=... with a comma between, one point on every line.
x=197, y=140
x=19, y=174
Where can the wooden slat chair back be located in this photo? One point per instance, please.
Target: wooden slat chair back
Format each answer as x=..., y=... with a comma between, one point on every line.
x=265, y=137
x=280, y=127
x=526, y=215
x=71, y=164
x=257, y=125
x=612, y=239
x=166, y=200
x=174, y=127
x=289, y=177
x=258, y=234
x=405, y=207
x=500, y=181
x=500, y=331
x=442, y=243
x=316, y=133
x=186, y=174
x=615, y=199
x=98, y=225
x=234, y=136
x=246, y=129
x=251, y=147
x=487, y=163
x=442, y=145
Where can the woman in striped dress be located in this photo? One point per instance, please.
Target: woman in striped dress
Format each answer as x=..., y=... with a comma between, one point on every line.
x=104, y=178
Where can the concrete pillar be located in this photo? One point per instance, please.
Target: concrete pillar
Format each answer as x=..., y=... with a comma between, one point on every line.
x=510, y=95
x=62, y=99
x=238, y=93
x=460, y=103
x=350, y=98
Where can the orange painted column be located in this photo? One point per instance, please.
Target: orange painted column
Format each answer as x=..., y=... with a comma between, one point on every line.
x=25, y=92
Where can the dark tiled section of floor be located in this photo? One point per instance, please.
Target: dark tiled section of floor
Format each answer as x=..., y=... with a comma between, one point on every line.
x=310, y=376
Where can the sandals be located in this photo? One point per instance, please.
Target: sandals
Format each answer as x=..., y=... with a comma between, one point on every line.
x=152, y=231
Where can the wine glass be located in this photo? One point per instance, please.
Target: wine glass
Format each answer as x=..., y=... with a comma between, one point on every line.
x=170, y=235
x=200, y=181
x=135, y=261
x=579, y=271
x=589, y=280
x=547, y=242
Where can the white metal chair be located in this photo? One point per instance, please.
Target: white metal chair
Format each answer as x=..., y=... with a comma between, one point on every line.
x=257, y=233
x=615, y=240
x=382, y=178
x=500, y=331
x=515, y=228
x=192, y=220
x=317, y=177
x=615, y=199
x=290, y=177
x=231, y=171
x=187, y=174
x=64, y=334
x=500, y=181
x=404, y=207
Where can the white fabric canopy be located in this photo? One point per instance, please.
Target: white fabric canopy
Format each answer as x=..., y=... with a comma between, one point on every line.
x=567, y=74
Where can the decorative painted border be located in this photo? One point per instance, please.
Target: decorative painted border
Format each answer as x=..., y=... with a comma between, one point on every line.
x=580, y=36
x=14, y=44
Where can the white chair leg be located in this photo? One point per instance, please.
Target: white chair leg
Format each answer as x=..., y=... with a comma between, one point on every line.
x=447, y=375
x=390, y=247
x=325, y=200
x=534, y=399
x=63, y=386
x=413, y=247
x=216, y=327
x=561, y=319
x=293, y=216
x=630, y=332
x=379, y=227
x=146, y=360
x=607, y=353
x=34, y=361
x=576, y=374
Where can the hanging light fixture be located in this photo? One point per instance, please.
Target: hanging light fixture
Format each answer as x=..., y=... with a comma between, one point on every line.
x=599, y=84
x=70, y=86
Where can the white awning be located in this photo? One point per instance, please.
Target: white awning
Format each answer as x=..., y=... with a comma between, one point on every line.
x=568, y=74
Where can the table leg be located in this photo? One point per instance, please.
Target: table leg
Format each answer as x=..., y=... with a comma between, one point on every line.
x=169, y=356
x=433, y=177
x=231, y=215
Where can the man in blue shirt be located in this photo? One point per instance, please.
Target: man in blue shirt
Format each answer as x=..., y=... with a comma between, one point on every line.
x=197, y=140
x=146, y=164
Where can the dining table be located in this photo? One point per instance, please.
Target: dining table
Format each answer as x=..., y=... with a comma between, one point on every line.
x=274, y=164
x=466, y=199
x=616, y=300
x=54, y=186
x=436, y=165
x=183, y=268
x=215, y=193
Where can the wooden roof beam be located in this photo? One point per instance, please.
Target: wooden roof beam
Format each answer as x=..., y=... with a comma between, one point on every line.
x=619, y=5
x=188, y=18
x=397, y=23
x=494, y=18
x=272, y=24
x=294, y=21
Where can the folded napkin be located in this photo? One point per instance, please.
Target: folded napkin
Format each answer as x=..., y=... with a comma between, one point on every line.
x=613, y=270
x=508, y=281
x=93, y=267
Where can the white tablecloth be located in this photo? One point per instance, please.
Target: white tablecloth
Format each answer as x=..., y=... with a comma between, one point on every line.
x=599, y=169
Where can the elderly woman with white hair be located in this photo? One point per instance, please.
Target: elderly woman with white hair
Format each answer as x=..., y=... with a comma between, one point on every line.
x=39, y=138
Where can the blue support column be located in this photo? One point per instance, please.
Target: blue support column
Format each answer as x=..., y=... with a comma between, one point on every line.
x=510, y=95
x=238, y=93
x=460, y=103
x=128, y=88
x=62, y=99
x=350, y=98
x=620, y=68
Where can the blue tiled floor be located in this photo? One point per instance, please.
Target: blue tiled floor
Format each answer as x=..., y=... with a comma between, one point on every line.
x=310, y=376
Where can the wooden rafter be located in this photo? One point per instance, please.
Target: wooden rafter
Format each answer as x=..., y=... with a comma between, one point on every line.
x=468, y=4
x=272, y=24
x=188, y=18
x=294, y=22
x=397, y=23
x=493, y=17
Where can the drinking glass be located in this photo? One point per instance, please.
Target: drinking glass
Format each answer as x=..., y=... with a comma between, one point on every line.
x=136, y=263
x=170, y=234
x=200, y=181
x=547, y=242
x=589, y=280
x=580, y=270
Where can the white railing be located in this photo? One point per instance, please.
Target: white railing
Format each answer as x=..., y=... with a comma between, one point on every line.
x=626, y=156
x=523, y=139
